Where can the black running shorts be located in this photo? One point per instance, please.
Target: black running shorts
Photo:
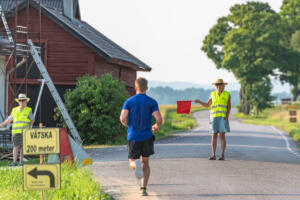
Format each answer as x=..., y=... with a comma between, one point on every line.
x=143, y=148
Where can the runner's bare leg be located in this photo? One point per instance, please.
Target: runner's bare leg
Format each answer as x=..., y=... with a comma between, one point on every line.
x=146, y=171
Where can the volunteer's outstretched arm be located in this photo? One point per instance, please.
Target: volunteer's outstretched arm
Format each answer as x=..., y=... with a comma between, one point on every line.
x=205, y=104
x=7, y=121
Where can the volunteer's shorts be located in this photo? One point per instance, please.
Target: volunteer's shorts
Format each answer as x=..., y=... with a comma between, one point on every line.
x=17, y=139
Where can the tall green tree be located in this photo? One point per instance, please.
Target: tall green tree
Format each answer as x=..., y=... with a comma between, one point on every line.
x=295, y=41
x=290, y=12
x=260, y=93
x=247, y=43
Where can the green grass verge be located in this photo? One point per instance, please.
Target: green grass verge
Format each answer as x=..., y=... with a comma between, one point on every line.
x=31, y=161
x=277, y=116
x=76, y=183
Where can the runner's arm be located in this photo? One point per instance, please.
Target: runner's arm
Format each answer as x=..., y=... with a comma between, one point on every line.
x=158, y=119
x=123, y=117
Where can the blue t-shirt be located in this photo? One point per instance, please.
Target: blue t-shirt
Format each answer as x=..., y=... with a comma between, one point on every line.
x=140, y=108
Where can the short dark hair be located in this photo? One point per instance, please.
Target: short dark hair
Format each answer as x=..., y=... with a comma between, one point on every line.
x=141, y=84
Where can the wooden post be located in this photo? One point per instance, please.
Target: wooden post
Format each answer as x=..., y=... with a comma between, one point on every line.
x=293, y=115
x=41, y=162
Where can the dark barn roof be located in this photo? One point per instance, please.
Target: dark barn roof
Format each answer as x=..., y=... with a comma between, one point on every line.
x=84, y=32
x=8, y=5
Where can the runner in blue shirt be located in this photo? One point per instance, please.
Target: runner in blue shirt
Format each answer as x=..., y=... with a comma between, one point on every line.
x=136, y=115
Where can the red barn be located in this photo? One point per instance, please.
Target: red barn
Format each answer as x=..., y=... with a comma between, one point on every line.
x=70, y=48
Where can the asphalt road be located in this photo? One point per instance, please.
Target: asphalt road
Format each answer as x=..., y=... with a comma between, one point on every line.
x=262, y=163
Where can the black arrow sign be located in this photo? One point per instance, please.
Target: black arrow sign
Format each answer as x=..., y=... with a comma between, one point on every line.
x=35, y=173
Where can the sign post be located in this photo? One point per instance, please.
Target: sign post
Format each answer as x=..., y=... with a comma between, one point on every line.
x=41, y=141
x=292, y=113
x=41, y=162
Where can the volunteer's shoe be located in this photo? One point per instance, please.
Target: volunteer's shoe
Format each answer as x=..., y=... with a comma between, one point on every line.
x=13, y=164
x=21, y=164
x=222, y=158
x=138, y=169
x=144, y=192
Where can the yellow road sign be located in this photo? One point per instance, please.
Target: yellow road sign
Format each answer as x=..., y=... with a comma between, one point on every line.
x=41, y=177
x=41, y=141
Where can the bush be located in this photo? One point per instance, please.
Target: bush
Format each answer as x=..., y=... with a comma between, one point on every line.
x=94, y=106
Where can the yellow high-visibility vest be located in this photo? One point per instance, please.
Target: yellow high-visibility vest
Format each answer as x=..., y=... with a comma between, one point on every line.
x=219, y=104
x=21, y=119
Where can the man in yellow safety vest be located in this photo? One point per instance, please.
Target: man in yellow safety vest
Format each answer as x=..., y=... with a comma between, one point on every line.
x=22, y=118
x=219, y=113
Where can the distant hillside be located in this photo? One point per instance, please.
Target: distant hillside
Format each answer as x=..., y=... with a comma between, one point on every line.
x=167, y=95
x=184, y=85
x=177, y=85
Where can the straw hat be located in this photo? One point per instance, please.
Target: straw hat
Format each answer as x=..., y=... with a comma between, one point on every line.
x=22, y=97
x=219, y=81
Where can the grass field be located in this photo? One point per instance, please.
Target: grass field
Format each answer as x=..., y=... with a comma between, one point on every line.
x=277, y=116
x=173, y=122
x=32, y=161
x=76, y=183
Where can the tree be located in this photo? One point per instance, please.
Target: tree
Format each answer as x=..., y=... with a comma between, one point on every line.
x=290, y=73
x=247, y=43
x=295, y=41
x=260, y=93
x=94, y=106
x=290, y=13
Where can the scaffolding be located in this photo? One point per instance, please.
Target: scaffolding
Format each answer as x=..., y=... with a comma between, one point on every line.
x=13, y=45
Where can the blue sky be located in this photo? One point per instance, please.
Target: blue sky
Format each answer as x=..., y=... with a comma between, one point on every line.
x=165, y=34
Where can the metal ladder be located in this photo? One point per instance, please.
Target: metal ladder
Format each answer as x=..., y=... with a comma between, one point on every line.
x=54, y=92
x=6, y=26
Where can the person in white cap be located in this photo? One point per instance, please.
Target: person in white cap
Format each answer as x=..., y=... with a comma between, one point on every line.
x=22, y=118
x=219, y=115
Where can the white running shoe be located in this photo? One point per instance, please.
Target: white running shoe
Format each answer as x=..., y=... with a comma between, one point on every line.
x=138, y=169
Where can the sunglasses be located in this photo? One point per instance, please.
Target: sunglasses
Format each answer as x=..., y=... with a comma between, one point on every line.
x=21, y=100
x=219, y=84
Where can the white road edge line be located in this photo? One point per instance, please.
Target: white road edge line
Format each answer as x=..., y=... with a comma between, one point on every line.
x=286, y=142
